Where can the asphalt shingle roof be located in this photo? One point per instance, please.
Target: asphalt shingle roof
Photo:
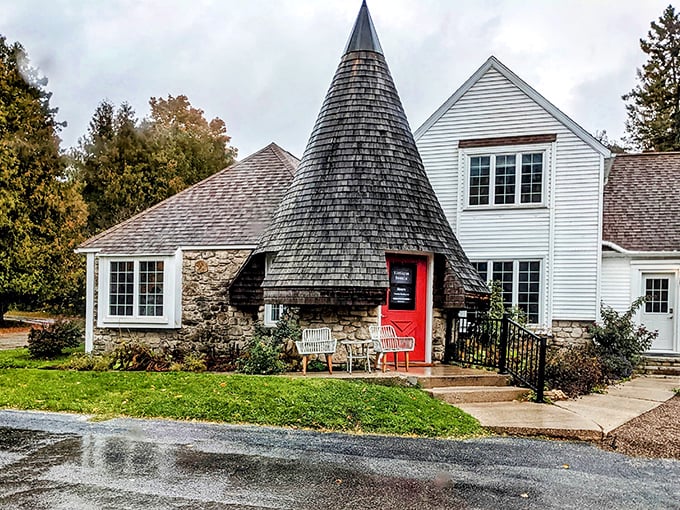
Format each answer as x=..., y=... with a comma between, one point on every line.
x=360, y=191
x=642, y=202
x=229, y=208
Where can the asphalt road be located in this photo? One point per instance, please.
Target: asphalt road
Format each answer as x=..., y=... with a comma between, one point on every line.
x=60, y=461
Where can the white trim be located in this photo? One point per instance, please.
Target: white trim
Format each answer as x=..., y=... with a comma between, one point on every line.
x=634, y=253
x=600, y=224
x=549, y=272
x=494, y=63
x=87, y=250
x=172, y=288
x=429, y=302
x=89, y=302
x=506, y=150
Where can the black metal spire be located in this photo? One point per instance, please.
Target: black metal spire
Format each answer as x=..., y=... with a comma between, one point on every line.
x=363, y=36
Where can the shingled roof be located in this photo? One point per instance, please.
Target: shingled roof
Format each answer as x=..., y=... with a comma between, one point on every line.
x=642, y=202
x=229, y=208
x=360, y=191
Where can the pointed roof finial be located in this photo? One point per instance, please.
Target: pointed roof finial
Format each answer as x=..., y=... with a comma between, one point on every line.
x=364, y=36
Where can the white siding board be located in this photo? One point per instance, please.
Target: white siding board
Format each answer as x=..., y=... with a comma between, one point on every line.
x=494, y=107
x=616, y=283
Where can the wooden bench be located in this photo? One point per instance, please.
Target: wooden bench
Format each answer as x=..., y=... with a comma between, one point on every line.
x=385, y=340
x=316, y=341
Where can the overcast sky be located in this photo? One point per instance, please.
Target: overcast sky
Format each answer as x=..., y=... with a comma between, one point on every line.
x=264, y=66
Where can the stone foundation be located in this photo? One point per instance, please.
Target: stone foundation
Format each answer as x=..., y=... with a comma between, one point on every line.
x=208, y=324
x=566, y=333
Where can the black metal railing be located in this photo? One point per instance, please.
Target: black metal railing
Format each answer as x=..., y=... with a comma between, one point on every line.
x=502, y=344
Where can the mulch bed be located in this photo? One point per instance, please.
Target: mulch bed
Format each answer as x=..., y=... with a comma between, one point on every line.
x=653, y=434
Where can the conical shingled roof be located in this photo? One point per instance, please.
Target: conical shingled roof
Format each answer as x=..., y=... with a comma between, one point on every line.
x=359, y=192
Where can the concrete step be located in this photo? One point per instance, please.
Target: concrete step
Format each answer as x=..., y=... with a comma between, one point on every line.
x=478, y=394
x=482, y=378
x=659, y=369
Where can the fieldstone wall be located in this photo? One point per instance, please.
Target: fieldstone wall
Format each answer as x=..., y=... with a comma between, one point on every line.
x=566, y=333
x=208, y=323
x=346, y=323
x=438, y=334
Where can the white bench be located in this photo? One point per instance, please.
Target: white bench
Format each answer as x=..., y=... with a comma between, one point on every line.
x=385, y=340
x=316, y=341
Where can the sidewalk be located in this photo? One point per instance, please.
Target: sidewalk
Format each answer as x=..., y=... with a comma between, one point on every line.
x=591, y=417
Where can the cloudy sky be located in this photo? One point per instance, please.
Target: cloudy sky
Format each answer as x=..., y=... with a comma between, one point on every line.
x=264, y=66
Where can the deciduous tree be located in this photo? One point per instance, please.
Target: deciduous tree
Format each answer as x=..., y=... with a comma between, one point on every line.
x=126, y=165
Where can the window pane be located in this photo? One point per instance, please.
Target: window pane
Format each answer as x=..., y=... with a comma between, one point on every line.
x=482, y=269
x=504, y=192
x=121, y=288
x=479, y=180
x=528, y=296
x=656, y=292
x=151, y=288
x=502, y=272
x=532, y=178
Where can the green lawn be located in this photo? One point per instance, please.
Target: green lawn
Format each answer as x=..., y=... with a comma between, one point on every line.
x=323, y=404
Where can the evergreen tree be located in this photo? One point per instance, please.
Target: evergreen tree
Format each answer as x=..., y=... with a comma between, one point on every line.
x=41, y=212
x=654, y=104
x=126, y=165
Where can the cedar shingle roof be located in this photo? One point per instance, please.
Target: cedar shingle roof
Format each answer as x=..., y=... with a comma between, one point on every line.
x=229, y=208
x=642, y=202
x=360, y=191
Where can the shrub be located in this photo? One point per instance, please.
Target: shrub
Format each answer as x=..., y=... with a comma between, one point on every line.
x=619, y=341
x=139, y=357
x=49, y=341
x=194, y=362
x=262, y=357
x=575, y=370
x=272, y=350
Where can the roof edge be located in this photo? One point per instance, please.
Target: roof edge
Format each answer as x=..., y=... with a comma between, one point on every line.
x=493, y=62
x=639, y=253
x=85, y=244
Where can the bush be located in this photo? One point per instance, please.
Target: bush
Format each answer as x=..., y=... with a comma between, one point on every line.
x=619, y=341
x=139, y=357
x=575, y=370
x=49, y=341
x=272, y=350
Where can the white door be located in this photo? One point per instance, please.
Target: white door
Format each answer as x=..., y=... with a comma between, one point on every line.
x=658, y=313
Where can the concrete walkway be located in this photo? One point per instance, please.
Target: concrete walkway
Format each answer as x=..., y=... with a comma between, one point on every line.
x=590, y=417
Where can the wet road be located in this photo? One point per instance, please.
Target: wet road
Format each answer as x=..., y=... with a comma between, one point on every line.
x=65, y=462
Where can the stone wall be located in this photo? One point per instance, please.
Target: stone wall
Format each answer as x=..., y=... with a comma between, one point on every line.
x=207, y=321
x=346, y=323
x=565, y=333
x=438, y=334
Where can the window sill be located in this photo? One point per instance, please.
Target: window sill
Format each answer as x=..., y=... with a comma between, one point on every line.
x=123, y=322
x=504, y=207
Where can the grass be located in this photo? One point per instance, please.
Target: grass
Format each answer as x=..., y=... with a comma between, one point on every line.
x=322, y=404
x=20, y=358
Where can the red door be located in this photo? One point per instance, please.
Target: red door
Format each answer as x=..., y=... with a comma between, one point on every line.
x=406, y=308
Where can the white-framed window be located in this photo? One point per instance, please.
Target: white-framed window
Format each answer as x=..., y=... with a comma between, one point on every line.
x=272, y=312
x=139, y=292
x=521, y=281
x=506, y=178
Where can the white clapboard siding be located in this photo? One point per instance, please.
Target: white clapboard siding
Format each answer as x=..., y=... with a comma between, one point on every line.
x=564, y=234
x=615, y=283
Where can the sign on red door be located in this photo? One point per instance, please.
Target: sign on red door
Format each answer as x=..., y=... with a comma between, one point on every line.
x=406, y=308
